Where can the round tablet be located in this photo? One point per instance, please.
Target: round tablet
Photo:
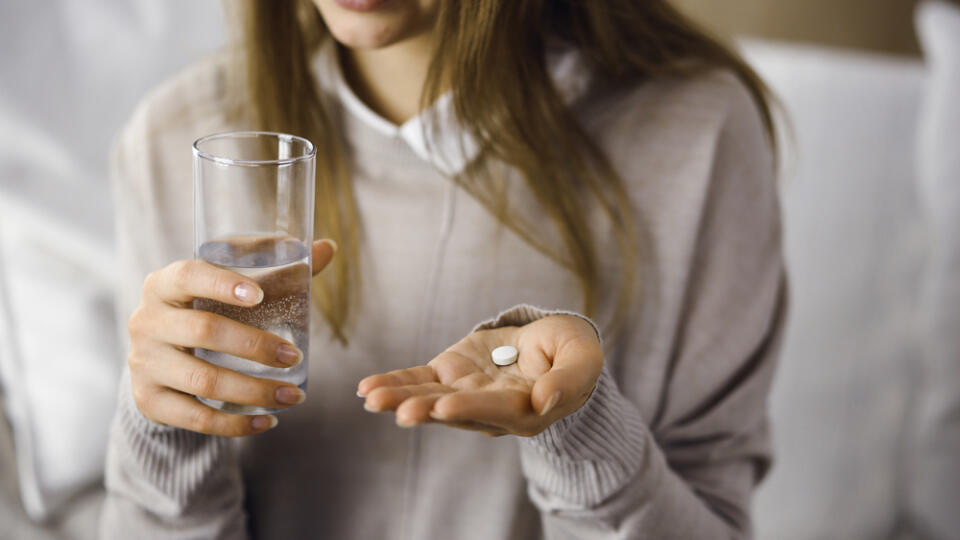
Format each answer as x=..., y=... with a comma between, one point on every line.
x=504, y=356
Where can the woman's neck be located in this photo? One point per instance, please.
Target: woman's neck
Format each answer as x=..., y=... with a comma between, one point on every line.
x=390, y=80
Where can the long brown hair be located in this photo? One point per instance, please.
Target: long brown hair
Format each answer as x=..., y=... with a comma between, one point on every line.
x=521, y=122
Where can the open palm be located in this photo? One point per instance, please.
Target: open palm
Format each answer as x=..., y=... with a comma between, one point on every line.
x=559, y=361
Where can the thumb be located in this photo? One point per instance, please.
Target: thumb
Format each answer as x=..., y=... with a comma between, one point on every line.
x=568, y=384
x=323, y=252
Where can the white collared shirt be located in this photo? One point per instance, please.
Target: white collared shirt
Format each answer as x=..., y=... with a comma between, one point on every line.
x=435, y=134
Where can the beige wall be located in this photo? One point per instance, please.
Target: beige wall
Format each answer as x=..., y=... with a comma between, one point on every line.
x=878, y=25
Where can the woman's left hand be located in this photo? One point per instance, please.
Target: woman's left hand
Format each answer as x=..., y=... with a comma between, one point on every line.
x=559, y=361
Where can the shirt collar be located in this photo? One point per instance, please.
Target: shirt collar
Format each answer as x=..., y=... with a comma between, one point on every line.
x=435, y=135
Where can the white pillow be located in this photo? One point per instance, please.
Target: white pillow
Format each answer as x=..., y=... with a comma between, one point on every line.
x=61, y=102
x=60, y=359
x=854, y=248
x=934, y=479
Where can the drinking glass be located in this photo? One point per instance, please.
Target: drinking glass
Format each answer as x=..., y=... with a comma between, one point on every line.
x=253, y=214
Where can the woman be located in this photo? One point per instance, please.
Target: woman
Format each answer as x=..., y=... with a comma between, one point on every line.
x=602, y=160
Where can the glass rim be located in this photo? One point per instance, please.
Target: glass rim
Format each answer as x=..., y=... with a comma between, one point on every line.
x=311, y=149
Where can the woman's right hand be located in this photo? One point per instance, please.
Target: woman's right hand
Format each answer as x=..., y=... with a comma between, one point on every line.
x=165, y=377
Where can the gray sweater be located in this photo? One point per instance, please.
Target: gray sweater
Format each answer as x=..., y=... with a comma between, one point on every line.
x=670, y=445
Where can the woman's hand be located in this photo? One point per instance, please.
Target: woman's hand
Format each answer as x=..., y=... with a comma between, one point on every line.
x=559, y=361
x=165, y=376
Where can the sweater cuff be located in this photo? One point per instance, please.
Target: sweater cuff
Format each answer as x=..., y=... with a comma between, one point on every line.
x=582, y=459
x=522, y=314
x=588, y=456
x=164, y=464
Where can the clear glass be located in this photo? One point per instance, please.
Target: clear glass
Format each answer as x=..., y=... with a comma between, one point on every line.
x=253, y=214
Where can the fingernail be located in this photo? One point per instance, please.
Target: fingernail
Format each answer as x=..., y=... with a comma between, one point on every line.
x=288, y=355
x=437, y=416
x=405, y=423
x=359, y=394
x=246, y=292
x=333, y=244
x=551, y=403
x=368, y=407
x=289, y=395
x=268, y=421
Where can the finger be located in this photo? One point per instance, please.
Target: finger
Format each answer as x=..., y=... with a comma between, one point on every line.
x=323, y=252
x=196, y=328
x=416, y=409
x=398, y=377
x=532, y=363
x=191, y=375
x=453, y=365
x=576, y=367
x=387, y=398
x=182, y=281
x=507, y=409
x=181, y=410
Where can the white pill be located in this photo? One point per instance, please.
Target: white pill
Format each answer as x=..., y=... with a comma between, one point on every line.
x=504, y=356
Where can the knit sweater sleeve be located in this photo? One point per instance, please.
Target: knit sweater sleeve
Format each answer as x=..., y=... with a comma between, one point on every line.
x=165, y=482
x=162, y=482
x=688, y=469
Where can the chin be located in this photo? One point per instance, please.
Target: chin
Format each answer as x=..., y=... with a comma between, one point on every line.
x=374, y=24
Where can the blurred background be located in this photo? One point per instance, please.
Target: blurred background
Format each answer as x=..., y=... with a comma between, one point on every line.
x=865, y=407
x=884, y=26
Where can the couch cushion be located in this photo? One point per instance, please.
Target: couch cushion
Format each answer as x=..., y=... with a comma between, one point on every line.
x=78, y=522
x=62, y=98
x=854, y=244
x=934, y=479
